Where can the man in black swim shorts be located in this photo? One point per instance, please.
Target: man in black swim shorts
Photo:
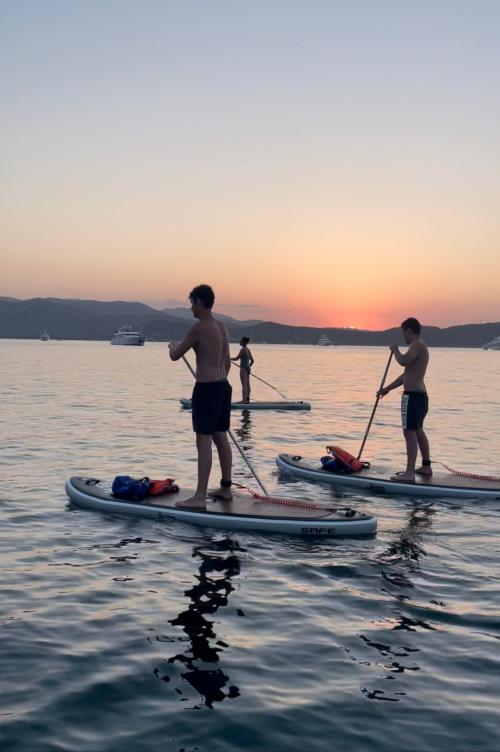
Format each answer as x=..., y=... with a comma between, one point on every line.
x=211, y=401
x=414, y=402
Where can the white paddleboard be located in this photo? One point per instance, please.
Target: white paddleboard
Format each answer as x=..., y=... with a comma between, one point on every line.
x=439, y=484
x=284, y=405
x=243, y=513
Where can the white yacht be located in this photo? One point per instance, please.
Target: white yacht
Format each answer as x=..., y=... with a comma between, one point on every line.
x=126, y=336
x=45, y=336
x=324, y=341
x=493, y=344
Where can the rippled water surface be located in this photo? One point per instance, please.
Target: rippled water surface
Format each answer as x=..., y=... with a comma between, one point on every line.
x=122, y=634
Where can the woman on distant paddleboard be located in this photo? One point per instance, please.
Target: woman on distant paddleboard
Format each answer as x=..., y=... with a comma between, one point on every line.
x=246, y=362
x=414, y=403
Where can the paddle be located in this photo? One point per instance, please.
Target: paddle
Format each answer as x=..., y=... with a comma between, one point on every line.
x=235, y=441
x=268, y=384
x=375, y=405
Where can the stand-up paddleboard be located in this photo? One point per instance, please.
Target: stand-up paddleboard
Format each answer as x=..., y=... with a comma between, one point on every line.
x=243, y=513
x=280, y=405
x=378, y=482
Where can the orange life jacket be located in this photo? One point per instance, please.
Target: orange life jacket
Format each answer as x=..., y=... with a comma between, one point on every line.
x=352, y=464
x=162, y=487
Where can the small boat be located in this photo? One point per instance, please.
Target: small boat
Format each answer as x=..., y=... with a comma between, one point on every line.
x=325, y=341
x=493, y=344
x=379, y=482
x=243, y=513
x=44, y=336
x=126, y=336
x=282, y=405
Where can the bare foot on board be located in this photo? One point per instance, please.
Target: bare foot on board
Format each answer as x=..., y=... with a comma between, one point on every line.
x=424, y=471
x=222, y=494
x=403, y=477
x=194, y=502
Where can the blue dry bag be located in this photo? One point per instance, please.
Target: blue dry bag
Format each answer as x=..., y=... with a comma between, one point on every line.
x=335, y=465
x=125, y=487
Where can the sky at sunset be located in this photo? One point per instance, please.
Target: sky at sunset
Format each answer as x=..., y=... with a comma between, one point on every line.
x=318, y=162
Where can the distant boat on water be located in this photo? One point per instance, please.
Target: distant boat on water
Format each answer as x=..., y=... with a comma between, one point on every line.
x=493, y=344
x=126, y=336
x=325, y=341
x=45, y=336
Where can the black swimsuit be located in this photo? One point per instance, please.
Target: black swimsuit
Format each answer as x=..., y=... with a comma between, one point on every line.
x=211, y=405
x=414, y=407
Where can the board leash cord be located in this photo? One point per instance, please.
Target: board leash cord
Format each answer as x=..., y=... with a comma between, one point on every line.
x=284, y=501
x=464, y=474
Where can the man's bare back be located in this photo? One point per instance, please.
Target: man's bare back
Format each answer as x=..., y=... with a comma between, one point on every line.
x=208, y=338
x=212, y=350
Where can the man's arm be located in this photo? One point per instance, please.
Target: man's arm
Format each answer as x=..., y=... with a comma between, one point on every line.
x=178, y=349
x=404, y=359
x=393, y=385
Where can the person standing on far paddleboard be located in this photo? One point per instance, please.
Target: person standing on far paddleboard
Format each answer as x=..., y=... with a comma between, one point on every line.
x=246, y=362
x=414, y=402
x=211, y=400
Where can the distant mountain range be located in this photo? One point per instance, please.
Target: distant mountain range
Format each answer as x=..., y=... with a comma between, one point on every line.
x=96, y=320
x=185, y=313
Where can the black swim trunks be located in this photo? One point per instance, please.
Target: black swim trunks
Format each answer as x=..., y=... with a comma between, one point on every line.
x=211, y=405
x=414, y=407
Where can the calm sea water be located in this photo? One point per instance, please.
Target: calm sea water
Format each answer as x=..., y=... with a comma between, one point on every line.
x=119, y=634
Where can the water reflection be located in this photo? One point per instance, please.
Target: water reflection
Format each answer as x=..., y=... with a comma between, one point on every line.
x=399, y=561
x=218, y=565
x=407, y=545
x=243, y=430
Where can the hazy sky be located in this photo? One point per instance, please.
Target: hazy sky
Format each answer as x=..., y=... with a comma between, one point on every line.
x=317, y=162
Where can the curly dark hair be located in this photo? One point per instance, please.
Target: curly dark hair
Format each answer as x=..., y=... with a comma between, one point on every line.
x=413, y=324
x=203, y=293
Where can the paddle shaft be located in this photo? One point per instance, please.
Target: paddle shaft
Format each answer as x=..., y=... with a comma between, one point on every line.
x=235, y=441
x=375, y=405
x=268, y=384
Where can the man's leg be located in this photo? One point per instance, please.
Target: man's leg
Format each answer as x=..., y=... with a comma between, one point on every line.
x=204, y=447
x=226, y=462
x=411, y=458
x=423, y=444
x=411, y=451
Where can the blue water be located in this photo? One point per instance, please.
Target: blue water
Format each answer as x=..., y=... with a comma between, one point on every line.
x=122, y=634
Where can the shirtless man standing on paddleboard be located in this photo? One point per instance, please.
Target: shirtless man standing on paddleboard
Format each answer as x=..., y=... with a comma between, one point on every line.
x=211, y=401
x=414, y=403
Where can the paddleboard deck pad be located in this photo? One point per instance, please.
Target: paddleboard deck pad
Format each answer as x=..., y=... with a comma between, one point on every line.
x=440, y=484
x=243, y=513
x=285, y=405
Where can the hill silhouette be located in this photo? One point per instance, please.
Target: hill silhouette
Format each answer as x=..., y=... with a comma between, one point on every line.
x=67, y=318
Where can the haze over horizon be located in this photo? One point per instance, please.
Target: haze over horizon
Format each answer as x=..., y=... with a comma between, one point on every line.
x=320, y=164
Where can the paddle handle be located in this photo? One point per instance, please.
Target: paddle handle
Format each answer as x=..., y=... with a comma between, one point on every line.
x=375, y=405
x=235, y=441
